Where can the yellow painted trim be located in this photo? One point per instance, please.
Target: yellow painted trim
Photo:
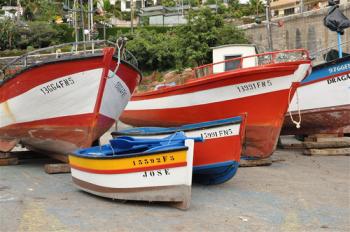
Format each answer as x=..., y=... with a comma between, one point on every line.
x=130, y=163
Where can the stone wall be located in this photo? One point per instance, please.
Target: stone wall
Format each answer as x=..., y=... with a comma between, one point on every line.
x=299, y=31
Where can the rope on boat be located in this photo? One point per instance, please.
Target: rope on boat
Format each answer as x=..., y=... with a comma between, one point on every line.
x=297, y=123
x=120, y=46
x=112, y=149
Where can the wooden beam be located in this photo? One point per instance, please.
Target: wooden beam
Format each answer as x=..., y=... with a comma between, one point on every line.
x=57, y=168
x=9, y=161
x=255, y=163
x=327, y=152
x=327, y=144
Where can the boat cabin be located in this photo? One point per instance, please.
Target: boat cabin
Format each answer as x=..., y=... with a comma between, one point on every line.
x=232, y=51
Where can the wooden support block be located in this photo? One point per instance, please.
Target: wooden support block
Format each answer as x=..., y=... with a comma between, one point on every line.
x=57, y=168
x=59, y=157
x=293, y=146
x=327, y=152
x=6, y=155
x=9, y=161
x=333, y=139
x=255, y=163
x=323, y=137
x=327, y=144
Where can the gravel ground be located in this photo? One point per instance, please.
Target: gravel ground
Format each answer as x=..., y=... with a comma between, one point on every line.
x=297, y=193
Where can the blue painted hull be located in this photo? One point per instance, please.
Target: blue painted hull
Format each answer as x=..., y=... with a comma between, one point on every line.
x=215, y=174
x=328, y=69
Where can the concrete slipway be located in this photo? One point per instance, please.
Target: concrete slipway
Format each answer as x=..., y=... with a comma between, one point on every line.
x=298, y=193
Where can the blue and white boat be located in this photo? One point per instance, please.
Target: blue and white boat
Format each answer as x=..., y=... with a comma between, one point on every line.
x=322, y=103
x=216, y=160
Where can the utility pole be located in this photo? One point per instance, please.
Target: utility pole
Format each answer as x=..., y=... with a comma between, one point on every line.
x=268, y=25
x=132, y=15
x=301, y=6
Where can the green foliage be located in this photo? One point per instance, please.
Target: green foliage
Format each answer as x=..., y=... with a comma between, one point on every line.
x=35, y=34
x=9, y=34
x=168, y=3
x=41, y=10
x=41, y=34
x=183, y=46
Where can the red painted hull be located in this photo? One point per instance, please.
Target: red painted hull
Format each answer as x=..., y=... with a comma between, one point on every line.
x=57, y=132
x=330, y=120
x=265, y=111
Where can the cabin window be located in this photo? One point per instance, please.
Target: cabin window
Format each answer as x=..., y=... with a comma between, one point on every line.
x=231, y=65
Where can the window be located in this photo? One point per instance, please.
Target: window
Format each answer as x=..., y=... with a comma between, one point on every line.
x=231, y=65
x=127, y=5
x=289, y=11
x=138, y=5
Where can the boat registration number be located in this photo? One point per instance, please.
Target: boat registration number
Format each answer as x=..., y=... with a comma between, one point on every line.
x=217, y=134
x=53, y=86
x=253, y=86
x=156, y=160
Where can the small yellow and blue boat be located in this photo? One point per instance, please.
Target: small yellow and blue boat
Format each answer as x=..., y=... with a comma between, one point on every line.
x=137, y=169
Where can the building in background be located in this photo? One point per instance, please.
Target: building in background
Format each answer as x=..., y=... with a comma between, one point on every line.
x=125, y=5
x=280, y=8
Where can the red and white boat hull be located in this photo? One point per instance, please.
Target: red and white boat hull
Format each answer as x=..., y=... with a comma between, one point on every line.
x=324, y=106
x=261, y=92
x=64, y=105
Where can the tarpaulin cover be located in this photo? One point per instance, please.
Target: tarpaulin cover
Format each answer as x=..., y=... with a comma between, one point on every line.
x=335, y=20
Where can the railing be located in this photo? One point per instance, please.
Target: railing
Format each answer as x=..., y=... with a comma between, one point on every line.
x=251, y=61
x=60, y=52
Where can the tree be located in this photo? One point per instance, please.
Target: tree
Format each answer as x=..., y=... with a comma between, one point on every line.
x=184, y=46
x=256, y=7
x=204, y=30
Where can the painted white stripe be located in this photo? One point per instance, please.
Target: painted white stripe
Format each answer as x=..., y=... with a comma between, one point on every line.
x=215, y=132
x=221, y=94
x=78, y=97
x=116, y=96
x=177, y=176
x=321, y=94
x=207, y=134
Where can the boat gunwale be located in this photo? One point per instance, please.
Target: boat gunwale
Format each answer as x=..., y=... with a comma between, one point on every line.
x=324, y=78
x=222, y=76
x=222, y=122
x=131, y=155
x=331, y=62
x=66, y=59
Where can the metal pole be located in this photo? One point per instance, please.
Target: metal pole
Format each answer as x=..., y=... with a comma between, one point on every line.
x=301, y=6
x=340, y=51
x=92, y=24
x=268, y=25
x=132, y=15
x=89, y=20
x=82, y=22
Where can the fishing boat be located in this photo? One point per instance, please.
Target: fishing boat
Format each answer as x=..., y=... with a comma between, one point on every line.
x=259, y=85
x=63, y=101
x=216, y=160
x=322, y=102
x=151, y=170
